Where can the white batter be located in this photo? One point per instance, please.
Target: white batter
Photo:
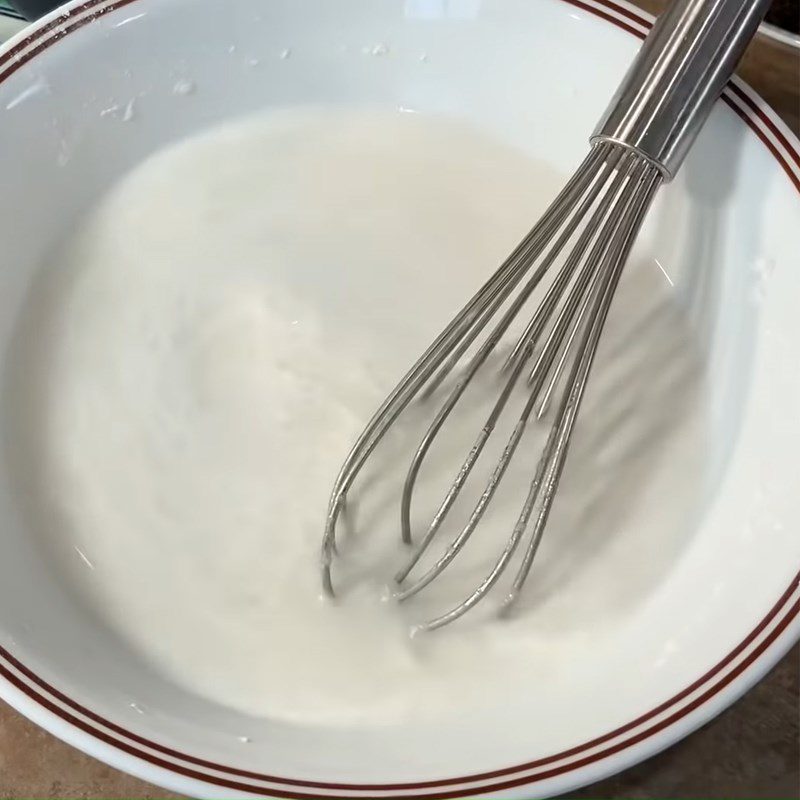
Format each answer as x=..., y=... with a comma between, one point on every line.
x=224, y=324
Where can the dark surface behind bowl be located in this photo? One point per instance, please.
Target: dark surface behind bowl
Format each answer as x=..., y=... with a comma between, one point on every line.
x=785, y=14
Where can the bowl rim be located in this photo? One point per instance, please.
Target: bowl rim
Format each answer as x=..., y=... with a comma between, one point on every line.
x=781, y=35
x=635, y=741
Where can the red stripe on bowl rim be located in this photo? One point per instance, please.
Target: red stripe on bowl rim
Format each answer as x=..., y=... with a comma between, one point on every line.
x=786, y=150
x=783, y=613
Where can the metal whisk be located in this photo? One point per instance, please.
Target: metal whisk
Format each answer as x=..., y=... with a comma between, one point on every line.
x=581, y=245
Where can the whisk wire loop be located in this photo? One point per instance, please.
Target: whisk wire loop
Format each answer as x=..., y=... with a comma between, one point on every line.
x=588, y=231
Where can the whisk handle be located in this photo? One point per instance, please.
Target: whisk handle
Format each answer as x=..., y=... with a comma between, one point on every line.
x=678, y=74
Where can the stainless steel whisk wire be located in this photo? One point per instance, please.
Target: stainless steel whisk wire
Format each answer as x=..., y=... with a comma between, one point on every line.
x=592, y=224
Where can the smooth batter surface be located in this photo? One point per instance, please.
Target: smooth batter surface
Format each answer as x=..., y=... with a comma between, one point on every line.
x=215, y=336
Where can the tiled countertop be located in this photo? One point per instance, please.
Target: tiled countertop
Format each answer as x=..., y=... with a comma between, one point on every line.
x=752, y=751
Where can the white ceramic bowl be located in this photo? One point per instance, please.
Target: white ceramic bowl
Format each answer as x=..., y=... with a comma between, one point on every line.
x=536, y=74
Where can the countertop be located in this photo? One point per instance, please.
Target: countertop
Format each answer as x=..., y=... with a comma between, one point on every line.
x=751, y=751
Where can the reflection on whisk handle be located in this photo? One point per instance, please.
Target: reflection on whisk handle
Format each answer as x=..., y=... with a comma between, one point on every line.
x=678, y=74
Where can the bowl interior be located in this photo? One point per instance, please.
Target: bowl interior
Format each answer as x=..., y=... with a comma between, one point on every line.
x=534, y=75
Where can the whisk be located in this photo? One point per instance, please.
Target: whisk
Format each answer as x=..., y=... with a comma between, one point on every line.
x=581, y=245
